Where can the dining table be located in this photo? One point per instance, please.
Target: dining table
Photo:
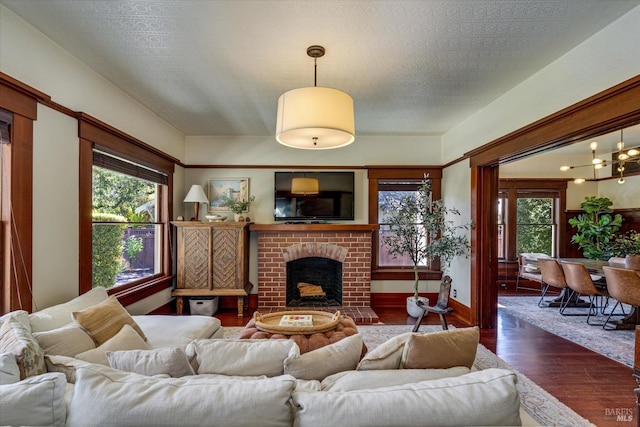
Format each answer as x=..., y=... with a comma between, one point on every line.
x=594, y=266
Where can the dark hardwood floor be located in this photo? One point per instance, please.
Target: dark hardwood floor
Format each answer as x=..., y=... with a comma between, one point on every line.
x=594, y=386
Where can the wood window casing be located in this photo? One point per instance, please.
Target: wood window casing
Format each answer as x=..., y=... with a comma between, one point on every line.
x=99, y=136
x=379, y=173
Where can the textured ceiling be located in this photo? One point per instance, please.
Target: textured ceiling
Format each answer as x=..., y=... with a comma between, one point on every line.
x=412, y=67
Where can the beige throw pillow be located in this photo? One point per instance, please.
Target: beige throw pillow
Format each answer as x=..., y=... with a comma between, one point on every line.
x=126, y=339
x=318, y=364
x=441, y=350
x=16, y=338
x=66, y=341
x=242, y=357
x=385, y=356
x=170, y=361
x=102, y=321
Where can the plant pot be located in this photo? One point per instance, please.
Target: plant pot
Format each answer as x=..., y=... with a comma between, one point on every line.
x=238, y=217
x=412, y=309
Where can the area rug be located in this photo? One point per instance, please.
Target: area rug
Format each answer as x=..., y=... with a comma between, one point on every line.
x=616, y=345
x=545, y=409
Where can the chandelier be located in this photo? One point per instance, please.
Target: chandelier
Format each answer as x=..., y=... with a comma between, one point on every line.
x=623, y=157
x=315, y=118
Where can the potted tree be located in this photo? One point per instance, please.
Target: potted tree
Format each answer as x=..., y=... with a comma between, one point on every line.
x=421, y=229
x=237, y=206
x=596, y=228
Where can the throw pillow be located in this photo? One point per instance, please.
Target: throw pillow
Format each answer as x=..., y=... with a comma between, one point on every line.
x=65, y=341
x=441, y=350
x=65, y=365
x=102, y=321
x=170, y=361
x=9, y=370
x=60, y=314
x=385, y=356
x=16, y=338
x=330, y=359
x=242, y=357
x=126, y=339
x=35, y=401
x=21, y=316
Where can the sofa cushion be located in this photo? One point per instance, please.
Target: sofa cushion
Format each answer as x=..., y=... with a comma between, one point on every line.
x=488, y=397
x=242, y=357
x=66, y=341
x=59, y=315
x=16, y=338
x=102, y=321
x=364, y=380
x=320, y=363
x=172, y=331
x=170, y=361
x=126, y=339
x=441, y=350
x=35, y=401
x=105, y=396
x=9, y=370
x=385, y=356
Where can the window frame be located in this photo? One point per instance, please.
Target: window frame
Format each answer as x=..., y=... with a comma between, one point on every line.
x=380, y=173
x=95, y=135
x=547, y=188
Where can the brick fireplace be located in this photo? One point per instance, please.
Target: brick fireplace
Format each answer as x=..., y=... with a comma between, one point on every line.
x=278, y=244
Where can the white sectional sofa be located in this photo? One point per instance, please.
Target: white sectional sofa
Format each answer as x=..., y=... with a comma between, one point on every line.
x=185, y=374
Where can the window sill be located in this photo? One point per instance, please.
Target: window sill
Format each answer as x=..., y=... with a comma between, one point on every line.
x=141, y=291
x=404, y=274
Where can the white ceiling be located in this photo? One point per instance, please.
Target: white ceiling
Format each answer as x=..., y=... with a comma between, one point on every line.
x=214, y=67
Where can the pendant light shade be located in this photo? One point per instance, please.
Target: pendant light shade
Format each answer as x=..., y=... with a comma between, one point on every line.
x=315, y=118
x=305, y=186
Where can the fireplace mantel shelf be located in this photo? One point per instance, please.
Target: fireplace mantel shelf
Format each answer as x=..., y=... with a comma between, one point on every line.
x=276, y=228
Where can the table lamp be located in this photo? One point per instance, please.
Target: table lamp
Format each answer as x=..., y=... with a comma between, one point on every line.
x=196, y=195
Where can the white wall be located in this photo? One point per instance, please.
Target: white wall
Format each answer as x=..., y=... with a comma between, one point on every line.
x=30, y=57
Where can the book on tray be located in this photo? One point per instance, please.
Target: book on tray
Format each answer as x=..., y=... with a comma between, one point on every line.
x=296, y=320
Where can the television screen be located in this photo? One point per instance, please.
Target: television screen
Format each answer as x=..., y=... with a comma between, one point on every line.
x=318, y=196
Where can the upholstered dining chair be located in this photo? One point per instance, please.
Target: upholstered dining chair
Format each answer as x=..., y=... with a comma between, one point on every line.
x=580, y=283
x=528, y=272
x=441, y=308
x=623, y=285
x=552, y=276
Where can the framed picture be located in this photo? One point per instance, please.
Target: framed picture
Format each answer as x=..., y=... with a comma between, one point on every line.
x=236, y=188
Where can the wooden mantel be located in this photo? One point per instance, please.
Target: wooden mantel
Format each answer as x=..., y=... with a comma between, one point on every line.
x=277, y=228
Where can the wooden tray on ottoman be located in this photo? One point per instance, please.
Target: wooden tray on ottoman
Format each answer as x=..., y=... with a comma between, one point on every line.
x=322, y=322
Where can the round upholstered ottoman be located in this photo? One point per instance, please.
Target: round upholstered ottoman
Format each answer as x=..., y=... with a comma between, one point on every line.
x=344, y=328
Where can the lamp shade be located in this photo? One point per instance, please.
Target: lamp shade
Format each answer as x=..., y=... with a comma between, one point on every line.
x=196, y=194
x=315, y=118
x=305, y=186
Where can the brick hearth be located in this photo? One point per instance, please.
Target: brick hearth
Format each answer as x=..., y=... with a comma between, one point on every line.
x=349, y=244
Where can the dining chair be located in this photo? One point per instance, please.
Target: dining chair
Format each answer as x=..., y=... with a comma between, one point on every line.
x=552, y=276
x=632, y=262
x=441, y=308
x=528, y=271
x=623, y=285
x=581, y=283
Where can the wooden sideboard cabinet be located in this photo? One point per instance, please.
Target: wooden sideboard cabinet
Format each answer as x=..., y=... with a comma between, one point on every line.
x=213, y=260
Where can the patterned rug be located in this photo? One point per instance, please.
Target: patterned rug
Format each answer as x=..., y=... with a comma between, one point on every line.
x=545, y=409
x=616, y=345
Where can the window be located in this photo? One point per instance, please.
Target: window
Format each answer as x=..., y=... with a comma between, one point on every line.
x=531, y=217
x=396, y=182
x=124, y=213
x=126, y=236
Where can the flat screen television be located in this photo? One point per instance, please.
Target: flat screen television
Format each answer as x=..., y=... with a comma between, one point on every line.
x=333, y=201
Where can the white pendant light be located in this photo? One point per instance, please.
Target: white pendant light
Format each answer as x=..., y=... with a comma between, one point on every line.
x=315, y=118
